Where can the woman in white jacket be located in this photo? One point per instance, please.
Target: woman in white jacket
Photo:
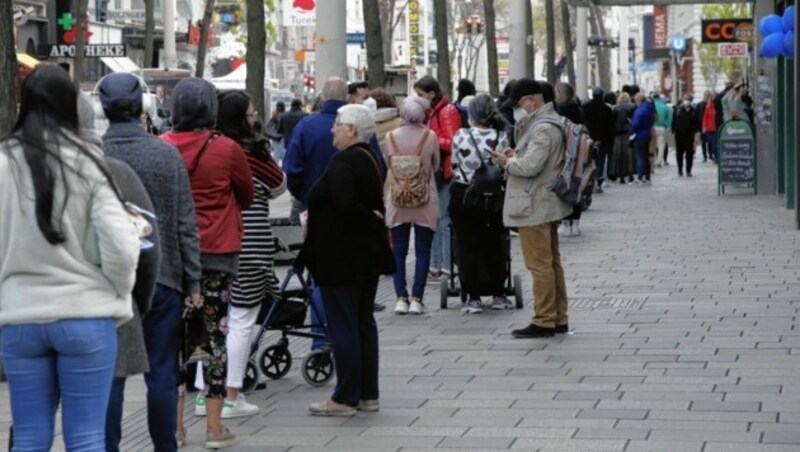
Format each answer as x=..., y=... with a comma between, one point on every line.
x=68, y=255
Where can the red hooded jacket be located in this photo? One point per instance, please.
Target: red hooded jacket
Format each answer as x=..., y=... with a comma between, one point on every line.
x=222, y=185
x=444, y=121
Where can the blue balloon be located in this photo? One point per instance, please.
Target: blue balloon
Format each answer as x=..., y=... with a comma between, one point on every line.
x=770, y=24
x=772, y=45
x=788, y=19
x=788, y=45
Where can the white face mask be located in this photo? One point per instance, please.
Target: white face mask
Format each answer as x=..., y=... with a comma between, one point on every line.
x=520, y=114
x=687, y=104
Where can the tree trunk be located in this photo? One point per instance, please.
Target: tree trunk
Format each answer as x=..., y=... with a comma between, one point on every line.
x=442, y=49
x=8, y=70
x=491, y=47
x=255, y=58
x=529, y=48
x=567, y=29
x=602, y=54
x=550, y=16
x=149, y=32
x=80, y=41
x=201, y=46
x=372, y=27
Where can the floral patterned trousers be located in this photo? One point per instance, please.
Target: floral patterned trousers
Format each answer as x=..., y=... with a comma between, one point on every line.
x=215, y=287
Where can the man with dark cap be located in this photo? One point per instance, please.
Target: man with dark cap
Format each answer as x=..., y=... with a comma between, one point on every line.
x=163, y=174
x=532, y=207
x=600, y=122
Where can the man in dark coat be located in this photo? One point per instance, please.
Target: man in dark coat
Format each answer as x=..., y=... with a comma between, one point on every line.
x=288, y=120
x=600, y=122
x=685, y=126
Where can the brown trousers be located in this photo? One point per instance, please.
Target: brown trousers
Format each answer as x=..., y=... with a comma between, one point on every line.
x=542, y=258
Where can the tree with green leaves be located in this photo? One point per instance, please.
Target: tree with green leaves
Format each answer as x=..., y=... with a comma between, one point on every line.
x=8, y=69
x=713, y=67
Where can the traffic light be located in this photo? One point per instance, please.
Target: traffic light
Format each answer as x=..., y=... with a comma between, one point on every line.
x=308, y=81
x=602, y=41
x=100, y=8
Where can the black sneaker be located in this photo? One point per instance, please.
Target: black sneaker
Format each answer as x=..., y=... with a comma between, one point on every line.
x=562, y=329
x=533, y=331
x=378, y=307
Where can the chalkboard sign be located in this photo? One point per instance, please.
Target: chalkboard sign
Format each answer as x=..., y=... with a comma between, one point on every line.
x=736, y=152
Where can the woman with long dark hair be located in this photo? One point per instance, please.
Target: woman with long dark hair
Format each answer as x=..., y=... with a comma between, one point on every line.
x=256, y=278
x=68, y=256
x=444, y=120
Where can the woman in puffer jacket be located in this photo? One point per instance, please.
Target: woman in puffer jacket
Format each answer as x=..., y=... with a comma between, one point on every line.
x=444, y=120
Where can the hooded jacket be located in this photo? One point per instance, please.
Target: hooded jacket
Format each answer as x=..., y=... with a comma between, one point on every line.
x=220, y=176
x=571, y=109
x=445, y=120
x=643, y=119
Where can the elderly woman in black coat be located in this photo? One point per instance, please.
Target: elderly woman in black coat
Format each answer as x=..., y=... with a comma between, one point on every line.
x=346, y=249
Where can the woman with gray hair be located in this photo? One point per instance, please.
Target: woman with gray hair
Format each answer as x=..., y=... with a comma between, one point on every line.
x=478, y=228
x=414, y=141
x=346, y=249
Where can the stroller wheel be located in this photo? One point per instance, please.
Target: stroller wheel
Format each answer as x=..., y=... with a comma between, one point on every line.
x=275, y=361
x=317, y=367
x=518, y=291
x=250, y=377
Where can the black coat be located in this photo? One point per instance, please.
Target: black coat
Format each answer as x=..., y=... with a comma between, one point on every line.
x=346, y=242
x=684, y=121
x=599, y=121
x=571, y=109
x=286, y=124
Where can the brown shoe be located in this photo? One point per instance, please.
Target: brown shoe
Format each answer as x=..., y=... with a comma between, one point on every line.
x=220, y=439
x=370, y=406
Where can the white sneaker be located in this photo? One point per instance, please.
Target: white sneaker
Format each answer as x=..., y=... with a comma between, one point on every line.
x=401, y=307
x=238, y=408
x=501, y=304
x=564, y=229
x=416, y=308
x=575, y=229
x=200, y=406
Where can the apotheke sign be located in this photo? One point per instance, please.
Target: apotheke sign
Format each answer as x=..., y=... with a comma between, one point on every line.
x=90, y=51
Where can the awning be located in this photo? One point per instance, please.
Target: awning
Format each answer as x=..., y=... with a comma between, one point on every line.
x=119, y=64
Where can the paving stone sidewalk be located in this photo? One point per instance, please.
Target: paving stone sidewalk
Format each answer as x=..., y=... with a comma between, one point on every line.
x=683, y=312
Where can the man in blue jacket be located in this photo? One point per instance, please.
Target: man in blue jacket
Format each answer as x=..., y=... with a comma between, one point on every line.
x=641, y=130
x=311, y=146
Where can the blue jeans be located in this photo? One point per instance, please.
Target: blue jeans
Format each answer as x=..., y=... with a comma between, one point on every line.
x=71, y=360
x=641, y=153
x=423, y=237
x=354, y=336
x=440, y=251
x=162, y=330
x=710, y=139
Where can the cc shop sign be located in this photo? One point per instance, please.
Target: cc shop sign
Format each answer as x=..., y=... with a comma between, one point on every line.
x=728, y=30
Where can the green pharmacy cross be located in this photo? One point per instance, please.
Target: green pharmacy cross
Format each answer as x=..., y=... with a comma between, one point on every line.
x=66, y=21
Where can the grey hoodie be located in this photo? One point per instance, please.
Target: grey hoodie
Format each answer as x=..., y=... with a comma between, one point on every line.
x=194, y=105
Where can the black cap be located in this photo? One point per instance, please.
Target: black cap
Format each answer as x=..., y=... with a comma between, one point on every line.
x=523, y=87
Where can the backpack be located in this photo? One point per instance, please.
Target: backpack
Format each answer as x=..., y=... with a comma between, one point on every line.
x=575, y=183
x=408, y=182
x=462, y=110
x=486, y=189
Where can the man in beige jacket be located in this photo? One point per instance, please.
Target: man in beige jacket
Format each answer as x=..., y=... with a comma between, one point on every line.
x=532, y=207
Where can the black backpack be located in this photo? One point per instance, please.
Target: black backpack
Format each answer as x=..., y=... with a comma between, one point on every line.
x=486, y=190
x=462, y=110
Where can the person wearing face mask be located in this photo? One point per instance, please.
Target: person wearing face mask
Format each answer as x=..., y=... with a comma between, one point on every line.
x=685, y=126
x=532, y=207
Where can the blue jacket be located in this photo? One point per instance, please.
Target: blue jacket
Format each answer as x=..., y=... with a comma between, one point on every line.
x=643, y=119
x=311, y=149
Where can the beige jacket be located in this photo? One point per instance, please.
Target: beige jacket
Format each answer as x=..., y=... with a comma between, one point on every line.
x=538, y=158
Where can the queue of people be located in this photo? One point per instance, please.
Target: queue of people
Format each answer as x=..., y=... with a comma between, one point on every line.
x=173, y=258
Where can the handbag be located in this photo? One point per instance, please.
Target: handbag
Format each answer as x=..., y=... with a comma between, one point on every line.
x=486, y=190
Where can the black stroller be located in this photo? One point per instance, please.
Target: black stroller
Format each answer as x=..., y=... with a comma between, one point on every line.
x=451, y=286
x=287, y=314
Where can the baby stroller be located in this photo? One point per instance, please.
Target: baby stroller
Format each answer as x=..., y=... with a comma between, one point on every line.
x=451, y=287
x=287, y=314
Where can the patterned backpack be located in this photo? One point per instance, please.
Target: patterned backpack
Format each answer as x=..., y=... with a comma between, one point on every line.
x=408, y=178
